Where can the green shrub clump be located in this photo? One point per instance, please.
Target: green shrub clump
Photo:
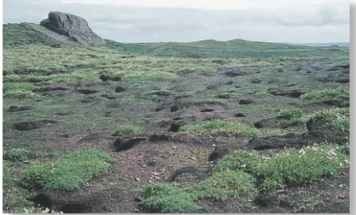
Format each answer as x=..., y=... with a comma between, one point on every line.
x=337, y=96
x=18, y=89
x=227, y=184
x=330, y=125
x=68, y=173
x=220, y=127
x=294, y=114
x=17, y=154
x=247, y=161
x=289, y=167
x=167, y=198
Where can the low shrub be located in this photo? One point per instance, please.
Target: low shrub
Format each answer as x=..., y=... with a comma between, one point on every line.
x=227, y=184
x=247, y=161
x=294, y=114
x=168, y=198
x=330, y=125
x=288, y=167
x=69, y=173
x=295, y=167
x=15, y=197
x=338, y=97
x=17, y=154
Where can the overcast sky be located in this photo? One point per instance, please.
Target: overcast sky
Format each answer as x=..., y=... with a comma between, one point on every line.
x=293, y=21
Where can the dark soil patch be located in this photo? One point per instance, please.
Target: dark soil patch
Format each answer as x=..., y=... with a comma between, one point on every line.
x=189, y=175
x=231, y=71
x=105, y=77
x=110, y=97
x=246, y=101
x=277, y=123
x=294, y=93
x=121, y=144
x=240, y=115
x=330, y=195
x=120, y=89
x=278, y=142
x=30, y=125
x=218, y=153
x=87, y=91
x=51, y=89
x=15, y=108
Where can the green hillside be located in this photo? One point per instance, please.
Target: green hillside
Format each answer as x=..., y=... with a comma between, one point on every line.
x=29, y=33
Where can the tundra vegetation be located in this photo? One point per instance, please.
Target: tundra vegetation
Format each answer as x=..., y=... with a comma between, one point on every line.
x=185, y=114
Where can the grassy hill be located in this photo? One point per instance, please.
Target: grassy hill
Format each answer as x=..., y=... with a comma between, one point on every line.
x=27, y=33
x=225, y=49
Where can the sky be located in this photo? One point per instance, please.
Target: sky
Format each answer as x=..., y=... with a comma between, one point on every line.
x=291, y=21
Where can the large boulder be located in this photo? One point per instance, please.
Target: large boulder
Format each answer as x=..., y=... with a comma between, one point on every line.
x=74, y=27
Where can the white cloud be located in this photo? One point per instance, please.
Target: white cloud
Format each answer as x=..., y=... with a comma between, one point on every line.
x=195, y=4
x=162, y=20
x=215, y=4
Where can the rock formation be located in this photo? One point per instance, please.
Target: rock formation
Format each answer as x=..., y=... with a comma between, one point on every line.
x=74, y=27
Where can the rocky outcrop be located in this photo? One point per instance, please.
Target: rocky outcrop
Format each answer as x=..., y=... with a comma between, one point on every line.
x=74, y=27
